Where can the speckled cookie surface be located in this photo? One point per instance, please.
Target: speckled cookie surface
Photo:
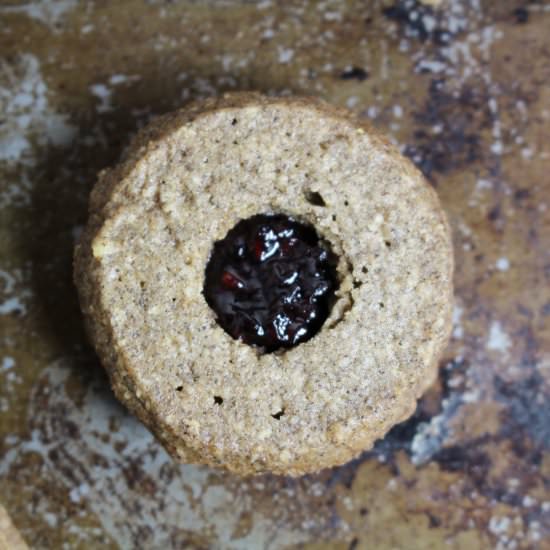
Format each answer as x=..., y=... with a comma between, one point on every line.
x=189, y=178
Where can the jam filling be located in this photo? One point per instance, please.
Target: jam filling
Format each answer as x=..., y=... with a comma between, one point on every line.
x=271, y=282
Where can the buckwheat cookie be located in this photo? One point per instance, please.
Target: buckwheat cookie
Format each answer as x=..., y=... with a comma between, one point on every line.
x=268, y=283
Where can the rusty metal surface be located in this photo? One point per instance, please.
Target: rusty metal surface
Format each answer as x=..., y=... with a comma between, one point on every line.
x=463, y=89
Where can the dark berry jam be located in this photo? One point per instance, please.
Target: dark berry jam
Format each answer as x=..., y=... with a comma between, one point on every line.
x=271, y=282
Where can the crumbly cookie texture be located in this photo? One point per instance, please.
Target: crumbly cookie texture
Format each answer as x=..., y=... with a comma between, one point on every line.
x=139, y=267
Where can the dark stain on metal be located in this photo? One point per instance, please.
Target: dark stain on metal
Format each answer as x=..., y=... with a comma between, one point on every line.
x=494, y=213
x=400, y=437
x=521, y=195
x=521, y=15
x=458, y=120
x=420, y=21
x=434, y=520
x=409, y=14
x=468, y=458
x=527, y=409
x=354, y=73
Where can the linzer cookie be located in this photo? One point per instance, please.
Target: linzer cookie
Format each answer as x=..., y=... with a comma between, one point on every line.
x=268, y=283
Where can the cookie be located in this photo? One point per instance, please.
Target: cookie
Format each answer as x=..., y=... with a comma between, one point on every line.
x=268, y=283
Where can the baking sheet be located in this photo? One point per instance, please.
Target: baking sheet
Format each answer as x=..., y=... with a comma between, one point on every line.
x=462, y=88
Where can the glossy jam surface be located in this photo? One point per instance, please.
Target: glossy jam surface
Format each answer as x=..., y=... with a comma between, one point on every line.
x=271, y=282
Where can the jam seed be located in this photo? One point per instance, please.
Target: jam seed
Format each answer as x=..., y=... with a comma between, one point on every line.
x=258, y=248
x=230, y=281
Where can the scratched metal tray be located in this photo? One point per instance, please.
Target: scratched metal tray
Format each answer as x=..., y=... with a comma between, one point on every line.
x=463, y=88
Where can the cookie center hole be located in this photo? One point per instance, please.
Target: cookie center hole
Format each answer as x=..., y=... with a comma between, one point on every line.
x=271, y=282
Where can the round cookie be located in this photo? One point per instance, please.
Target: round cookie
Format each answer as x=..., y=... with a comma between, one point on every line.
x=185, y=182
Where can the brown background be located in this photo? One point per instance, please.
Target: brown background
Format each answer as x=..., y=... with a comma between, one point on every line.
x=464, y=89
